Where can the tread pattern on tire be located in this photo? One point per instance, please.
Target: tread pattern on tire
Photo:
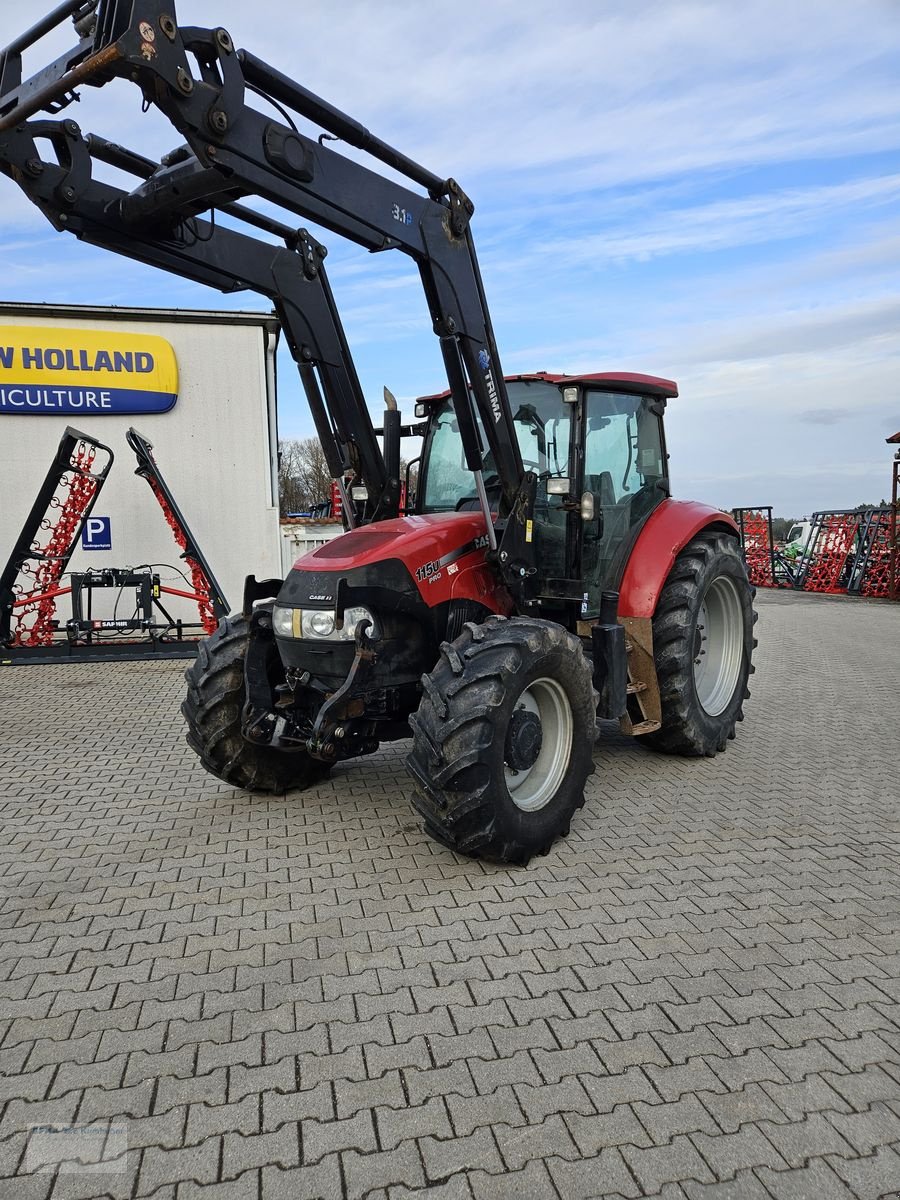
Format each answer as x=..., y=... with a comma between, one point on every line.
x=454, y=730
x=212, y=710
x=684, y=729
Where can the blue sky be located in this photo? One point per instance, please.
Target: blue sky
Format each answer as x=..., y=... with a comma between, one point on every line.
x=705, y=191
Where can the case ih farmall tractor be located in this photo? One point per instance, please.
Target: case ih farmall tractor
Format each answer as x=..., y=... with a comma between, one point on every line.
x=542, y=578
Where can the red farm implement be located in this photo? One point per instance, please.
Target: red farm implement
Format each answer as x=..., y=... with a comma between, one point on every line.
x=36, y=574
x=755, y=525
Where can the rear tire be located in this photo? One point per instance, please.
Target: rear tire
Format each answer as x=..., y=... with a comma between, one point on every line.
x=703, y=645
x=212, y=710
x=503, y=739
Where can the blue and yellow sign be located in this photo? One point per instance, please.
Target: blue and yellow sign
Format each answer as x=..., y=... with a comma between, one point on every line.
x=86, y=372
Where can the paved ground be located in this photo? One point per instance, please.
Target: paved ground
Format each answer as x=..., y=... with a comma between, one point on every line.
x=697, y=994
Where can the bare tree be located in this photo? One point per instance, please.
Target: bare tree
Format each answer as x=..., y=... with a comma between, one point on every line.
x=304, y=479
x=413, y=478
x=303, y=476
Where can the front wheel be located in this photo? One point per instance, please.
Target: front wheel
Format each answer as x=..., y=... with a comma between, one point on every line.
x=213, y=708
x=503, y=739
x=703, y=645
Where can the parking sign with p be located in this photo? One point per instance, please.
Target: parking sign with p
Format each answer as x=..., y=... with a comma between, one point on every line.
x=96, y=534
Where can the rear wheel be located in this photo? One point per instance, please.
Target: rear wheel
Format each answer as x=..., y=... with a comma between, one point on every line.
x=702, y=645
x=212, y=710
x=503, y=739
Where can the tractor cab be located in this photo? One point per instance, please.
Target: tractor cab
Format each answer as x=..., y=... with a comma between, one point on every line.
x=597, y=446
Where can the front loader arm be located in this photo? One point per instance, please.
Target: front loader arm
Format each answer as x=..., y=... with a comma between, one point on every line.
x=199, y=80
x=292, y=277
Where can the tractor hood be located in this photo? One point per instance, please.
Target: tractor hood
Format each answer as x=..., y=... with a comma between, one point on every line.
x=406, y=562
x=418, y=542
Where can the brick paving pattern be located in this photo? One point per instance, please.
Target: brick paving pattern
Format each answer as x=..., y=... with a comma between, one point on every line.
x=696, y=995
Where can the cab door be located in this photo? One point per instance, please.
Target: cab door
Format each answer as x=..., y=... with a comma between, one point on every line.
x=625, y=473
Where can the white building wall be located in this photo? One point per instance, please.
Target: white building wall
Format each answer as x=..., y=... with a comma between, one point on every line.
x=300, y=537
x=216, y=450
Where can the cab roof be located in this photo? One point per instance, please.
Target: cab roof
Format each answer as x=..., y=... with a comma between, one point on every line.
x=607, y=381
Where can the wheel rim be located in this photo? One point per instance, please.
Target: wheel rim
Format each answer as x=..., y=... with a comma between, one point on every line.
x=718, y=646
x=530, y=789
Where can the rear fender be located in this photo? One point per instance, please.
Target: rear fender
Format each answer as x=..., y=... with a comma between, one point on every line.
x=667, y=531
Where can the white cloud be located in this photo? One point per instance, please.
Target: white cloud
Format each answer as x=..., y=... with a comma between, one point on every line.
x=749, y=220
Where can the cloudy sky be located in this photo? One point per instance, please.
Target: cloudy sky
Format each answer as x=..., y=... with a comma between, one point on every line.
x=701, y=190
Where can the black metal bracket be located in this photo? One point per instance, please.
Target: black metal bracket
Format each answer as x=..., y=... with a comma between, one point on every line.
x=322, y=743
x=256, y=590
x=516, y=554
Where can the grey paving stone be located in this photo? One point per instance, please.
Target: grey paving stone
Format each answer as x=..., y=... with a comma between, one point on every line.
x=728, y=1153
x=205, y=1120
x=813, y=1137
x=555, y=1065
x=469, y=1113
x=756, y=1066
x=663, y=1121
x=491, y=1074
x=242, y=1153
x=588, y=1178
x=281, y=1108
x=731, y=1110
x=549, y=1138
x=416, y=1121
x=812, y=1094
x=365, y=1172
x=859, y=1089
x=321, y=1138
x=443, y=1158
x=609, y=1090
x=641, y=1049
x=457, y=1188
x=659, y=1165
x=567, y=1096
x=875, y=1175
x=617, y=1128
x=166, y=1130
x=867, y=1131
x=199, y=1164
x=744, y=1186
x=322, y=1181
x=172, y=1091
x=815, y=1181
x=246, y=1187
x=533, y=1181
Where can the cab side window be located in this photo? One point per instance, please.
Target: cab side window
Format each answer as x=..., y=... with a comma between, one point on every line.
x=623, y=466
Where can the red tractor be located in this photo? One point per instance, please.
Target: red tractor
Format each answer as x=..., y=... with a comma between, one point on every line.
x=541, y=578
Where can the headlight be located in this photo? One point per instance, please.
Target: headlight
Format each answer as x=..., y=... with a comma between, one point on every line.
x=319, y=623
x=352, y=617
x=283, y=621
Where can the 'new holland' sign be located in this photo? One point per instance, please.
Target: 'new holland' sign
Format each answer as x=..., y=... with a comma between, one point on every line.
x=52, y=371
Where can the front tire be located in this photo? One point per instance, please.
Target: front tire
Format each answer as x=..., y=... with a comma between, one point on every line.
x=503, y=739
x=212, y=710
x=703, y=646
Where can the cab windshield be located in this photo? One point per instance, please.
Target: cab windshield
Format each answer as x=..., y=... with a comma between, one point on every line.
x=542, y=430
